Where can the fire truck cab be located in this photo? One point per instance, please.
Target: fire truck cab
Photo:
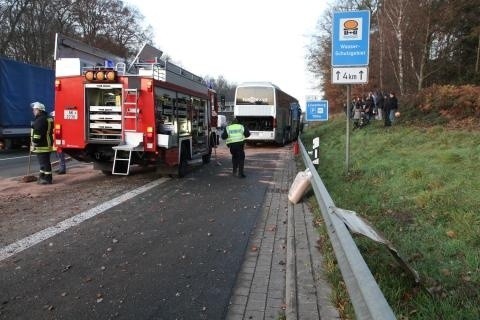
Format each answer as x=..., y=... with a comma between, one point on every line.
x=151, y=113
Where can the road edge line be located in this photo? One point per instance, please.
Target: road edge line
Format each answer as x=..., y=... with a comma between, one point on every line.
x=31, y=240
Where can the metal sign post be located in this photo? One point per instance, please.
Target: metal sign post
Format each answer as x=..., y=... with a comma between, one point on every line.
x=350, y=56
x=347, y=134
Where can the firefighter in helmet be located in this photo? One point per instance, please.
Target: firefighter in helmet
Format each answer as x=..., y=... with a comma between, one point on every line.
x=42, y=141
x=235, y=135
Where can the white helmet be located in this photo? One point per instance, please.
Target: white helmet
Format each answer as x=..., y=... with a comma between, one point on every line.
x=38, y=105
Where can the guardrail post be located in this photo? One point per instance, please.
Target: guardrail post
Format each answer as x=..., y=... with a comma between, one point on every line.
x=316, y=145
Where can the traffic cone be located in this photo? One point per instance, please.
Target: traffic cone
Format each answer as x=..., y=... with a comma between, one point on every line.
x=296, y=149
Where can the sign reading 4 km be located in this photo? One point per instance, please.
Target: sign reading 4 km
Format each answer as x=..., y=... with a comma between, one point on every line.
x=350, y=75
x=350, y=39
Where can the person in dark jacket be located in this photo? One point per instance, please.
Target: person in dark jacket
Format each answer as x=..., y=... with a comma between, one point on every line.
x=391, y=106
x=235, y=135
x=386, y=111
x=42, y=141
x=380, y=105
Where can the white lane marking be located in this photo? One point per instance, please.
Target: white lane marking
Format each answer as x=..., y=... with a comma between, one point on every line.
x=49, y=232
x=13, y=158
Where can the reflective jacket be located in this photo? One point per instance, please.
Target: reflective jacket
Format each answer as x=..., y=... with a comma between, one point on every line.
x=42, y=133
x=235, y=133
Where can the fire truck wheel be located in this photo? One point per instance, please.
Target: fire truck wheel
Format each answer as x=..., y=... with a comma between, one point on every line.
x=206, y=158
x=182, y=166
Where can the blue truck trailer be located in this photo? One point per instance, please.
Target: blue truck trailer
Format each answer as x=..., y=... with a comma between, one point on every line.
x=20, y=85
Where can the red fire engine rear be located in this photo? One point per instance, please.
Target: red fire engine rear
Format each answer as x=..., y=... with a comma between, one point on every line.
x=153, y=113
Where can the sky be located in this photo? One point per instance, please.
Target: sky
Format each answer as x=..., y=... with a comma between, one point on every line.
x=241, y=40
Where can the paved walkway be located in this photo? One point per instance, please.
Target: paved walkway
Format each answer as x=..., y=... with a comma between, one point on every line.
x=281, y=276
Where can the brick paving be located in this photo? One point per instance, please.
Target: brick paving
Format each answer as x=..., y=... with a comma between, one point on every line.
x=281, y=276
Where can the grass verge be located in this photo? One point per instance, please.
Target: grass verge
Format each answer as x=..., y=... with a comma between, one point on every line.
x=419, y=187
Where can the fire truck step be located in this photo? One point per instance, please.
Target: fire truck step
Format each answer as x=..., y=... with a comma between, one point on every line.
x=195, y=162
x=121, y=161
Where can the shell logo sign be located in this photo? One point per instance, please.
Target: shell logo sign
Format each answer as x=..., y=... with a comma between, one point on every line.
x=350, y=43
x=351, y=29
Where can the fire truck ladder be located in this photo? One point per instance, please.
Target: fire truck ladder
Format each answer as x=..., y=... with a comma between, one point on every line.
x=123, y=152
x=130, y=108
x=132, y=140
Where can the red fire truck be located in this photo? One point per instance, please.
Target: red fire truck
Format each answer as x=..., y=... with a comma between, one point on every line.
x=151, y=112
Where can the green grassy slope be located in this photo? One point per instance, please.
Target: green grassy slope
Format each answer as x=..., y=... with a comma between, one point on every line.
x=421, y=188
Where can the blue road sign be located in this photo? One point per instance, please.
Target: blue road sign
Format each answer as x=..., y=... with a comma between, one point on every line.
x=317, y=110
x=351, y=38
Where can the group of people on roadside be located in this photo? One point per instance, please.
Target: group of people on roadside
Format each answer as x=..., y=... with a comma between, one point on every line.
x=376, y=105
x=42, y=143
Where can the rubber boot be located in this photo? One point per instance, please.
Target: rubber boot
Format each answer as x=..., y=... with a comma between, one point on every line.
x=41, y=177
x=240, y=171
x=47, y=179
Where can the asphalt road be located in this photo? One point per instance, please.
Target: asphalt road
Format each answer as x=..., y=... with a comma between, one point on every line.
x=14, y=163
x=172, y=252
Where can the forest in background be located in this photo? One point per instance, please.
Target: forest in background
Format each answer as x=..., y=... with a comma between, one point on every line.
x=414, y=44
x=28, y=27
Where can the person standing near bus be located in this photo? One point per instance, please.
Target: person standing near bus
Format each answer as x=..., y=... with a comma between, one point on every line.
x=235, y=135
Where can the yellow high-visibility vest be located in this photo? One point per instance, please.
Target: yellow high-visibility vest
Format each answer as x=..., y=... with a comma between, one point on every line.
x=235, y=133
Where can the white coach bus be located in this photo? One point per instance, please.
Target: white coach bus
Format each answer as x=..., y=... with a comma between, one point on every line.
x=270, y=114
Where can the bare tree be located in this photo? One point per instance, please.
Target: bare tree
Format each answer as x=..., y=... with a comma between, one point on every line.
x=11, y=13
x=477, y=61
x=395, y=13
x=28, y=27
x=421, y=33
x=110, y=25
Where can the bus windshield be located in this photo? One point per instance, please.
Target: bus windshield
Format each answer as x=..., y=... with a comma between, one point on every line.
x=255, y=96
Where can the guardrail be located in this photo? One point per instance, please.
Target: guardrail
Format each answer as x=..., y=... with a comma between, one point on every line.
x=367, y=299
